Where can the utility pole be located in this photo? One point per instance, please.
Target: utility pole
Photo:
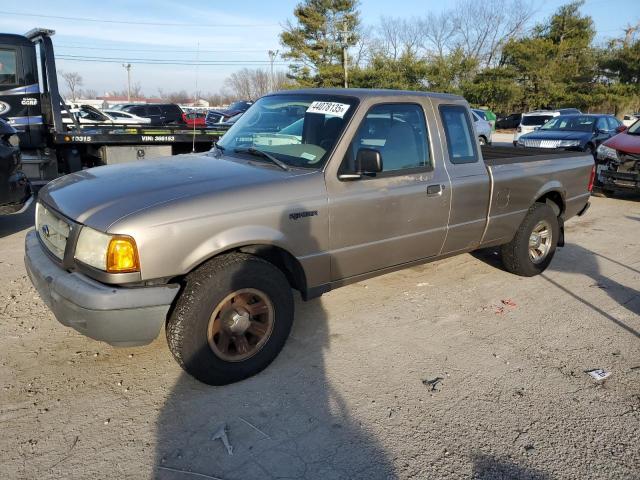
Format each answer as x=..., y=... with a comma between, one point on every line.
x=273, y=54
x=127, y=67
x=343, y=39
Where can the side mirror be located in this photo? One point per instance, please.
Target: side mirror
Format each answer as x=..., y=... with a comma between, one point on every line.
x=621, y=128
x=368, y=160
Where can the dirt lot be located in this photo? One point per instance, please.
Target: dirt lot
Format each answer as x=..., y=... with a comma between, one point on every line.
x=347, y=397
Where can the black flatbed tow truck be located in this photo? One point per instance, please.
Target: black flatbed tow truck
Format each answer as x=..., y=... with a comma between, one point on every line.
x=31, y=103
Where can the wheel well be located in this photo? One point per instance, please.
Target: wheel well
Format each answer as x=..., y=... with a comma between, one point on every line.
x=554, y=200
x=285, y=261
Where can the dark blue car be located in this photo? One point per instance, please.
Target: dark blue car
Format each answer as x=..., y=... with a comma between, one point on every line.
x=583, y=132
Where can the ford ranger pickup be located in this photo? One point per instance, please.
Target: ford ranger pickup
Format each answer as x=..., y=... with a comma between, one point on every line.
x=310, y=190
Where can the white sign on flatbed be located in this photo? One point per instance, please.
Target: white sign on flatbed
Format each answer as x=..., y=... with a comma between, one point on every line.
x=333, y=109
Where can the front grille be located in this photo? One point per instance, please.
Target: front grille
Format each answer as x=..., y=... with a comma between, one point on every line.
x=540, y=143
x=52, y=229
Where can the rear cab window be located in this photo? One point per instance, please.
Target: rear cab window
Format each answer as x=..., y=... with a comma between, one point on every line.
x=461, y=143
x=399, y=132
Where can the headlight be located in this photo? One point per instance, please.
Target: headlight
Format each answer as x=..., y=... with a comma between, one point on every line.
x=606, y=153
x=110, y=253
x=568, y=143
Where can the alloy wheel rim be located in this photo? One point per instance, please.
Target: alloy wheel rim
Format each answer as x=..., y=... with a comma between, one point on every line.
x=240, y=325
x=540, y=241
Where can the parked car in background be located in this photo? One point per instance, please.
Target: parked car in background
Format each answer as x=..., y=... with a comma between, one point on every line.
x=531, y=121
x=159, y=114
x=195, y=119
x=126, y=118
x=584, y=132
x=483, y=128
x=218, y=116
x=618, y=162
x=85, y=115
x=486, y=115
x=509, y=122
x=229, y=122
x=629, y=120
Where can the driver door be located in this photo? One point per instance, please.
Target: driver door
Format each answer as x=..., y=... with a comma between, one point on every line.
x=397, y=216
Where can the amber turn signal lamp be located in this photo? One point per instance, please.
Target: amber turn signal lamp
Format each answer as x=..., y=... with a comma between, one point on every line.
x=122, y=255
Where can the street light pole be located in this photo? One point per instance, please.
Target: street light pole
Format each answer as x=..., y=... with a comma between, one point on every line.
x=273, y=54
x=127, y=67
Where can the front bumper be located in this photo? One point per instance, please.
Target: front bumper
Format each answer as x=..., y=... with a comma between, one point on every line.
x=619, y=180
x=120, y=316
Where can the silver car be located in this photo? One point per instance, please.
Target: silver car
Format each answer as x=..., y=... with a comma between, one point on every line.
x=483, y=128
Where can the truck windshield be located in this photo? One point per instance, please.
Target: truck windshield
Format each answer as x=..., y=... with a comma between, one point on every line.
x=576, y=123
x=299, y=130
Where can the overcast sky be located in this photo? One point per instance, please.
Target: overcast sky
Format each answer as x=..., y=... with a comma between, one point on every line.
x=224, y=32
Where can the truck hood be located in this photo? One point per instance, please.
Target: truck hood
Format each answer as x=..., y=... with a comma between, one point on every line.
x=100, y=196
x=558, y=135
x=625, y=142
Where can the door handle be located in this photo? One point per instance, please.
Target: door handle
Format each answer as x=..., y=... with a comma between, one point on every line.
x=435, y=190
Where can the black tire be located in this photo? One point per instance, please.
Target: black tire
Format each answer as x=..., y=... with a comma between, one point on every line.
x=205, y=288
x=515, y=254
x=482, y=140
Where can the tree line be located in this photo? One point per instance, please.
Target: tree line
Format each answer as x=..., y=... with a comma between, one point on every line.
x=486, y=51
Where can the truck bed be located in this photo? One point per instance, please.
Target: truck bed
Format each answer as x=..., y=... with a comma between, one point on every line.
x=494, y=156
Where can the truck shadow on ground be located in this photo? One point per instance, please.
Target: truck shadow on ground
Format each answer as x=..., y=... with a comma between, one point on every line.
x=288, y=421
x=487, y=467
x=573, y=258
x=10, y=224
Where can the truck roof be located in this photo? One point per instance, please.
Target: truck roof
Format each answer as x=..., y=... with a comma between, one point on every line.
x=15, y=39
x=368, y=92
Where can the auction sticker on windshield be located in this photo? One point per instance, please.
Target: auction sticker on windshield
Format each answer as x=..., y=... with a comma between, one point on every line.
x=329, y=108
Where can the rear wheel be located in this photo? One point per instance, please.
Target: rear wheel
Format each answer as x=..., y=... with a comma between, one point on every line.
x=483, y=141
x=231, y=320
x=534, y=245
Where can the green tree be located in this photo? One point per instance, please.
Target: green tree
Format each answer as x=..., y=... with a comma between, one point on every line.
x=315, y=42
x=407, y=72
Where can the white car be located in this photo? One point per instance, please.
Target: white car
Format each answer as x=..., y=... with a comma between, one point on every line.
x=483, y=129
x=126, y=118
x=532, y=121
x=629, y=120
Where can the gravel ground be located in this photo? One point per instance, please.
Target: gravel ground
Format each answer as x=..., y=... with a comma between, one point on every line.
x=350, y=397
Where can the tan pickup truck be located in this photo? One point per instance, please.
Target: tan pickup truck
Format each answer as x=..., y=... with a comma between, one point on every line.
x=310, y=190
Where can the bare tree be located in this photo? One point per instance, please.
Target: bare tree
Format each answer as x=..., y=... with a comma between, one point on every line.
x=73, y=81
x=250, y=84
x=398, y=36
x=484, y=27
x=136, y=91
x=89, y=94
x=438, y=34
x=240, y=83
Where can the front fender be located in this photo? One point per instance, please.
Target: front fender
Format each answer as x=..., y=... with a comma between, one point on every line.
x=233, y=238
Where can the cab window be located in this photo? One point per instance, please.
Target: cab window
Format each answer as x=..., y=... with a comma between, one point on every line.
x=398, y=132
x=8, y=62
x=459, y=133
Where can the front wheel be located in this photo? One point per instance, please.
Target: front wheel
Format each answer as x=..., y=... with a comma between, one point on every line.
x=534, y=244
x=231, y=320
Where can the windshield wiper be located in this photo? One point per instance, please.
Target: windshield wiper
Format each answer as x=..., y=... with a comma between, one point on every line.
x=260, y=153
